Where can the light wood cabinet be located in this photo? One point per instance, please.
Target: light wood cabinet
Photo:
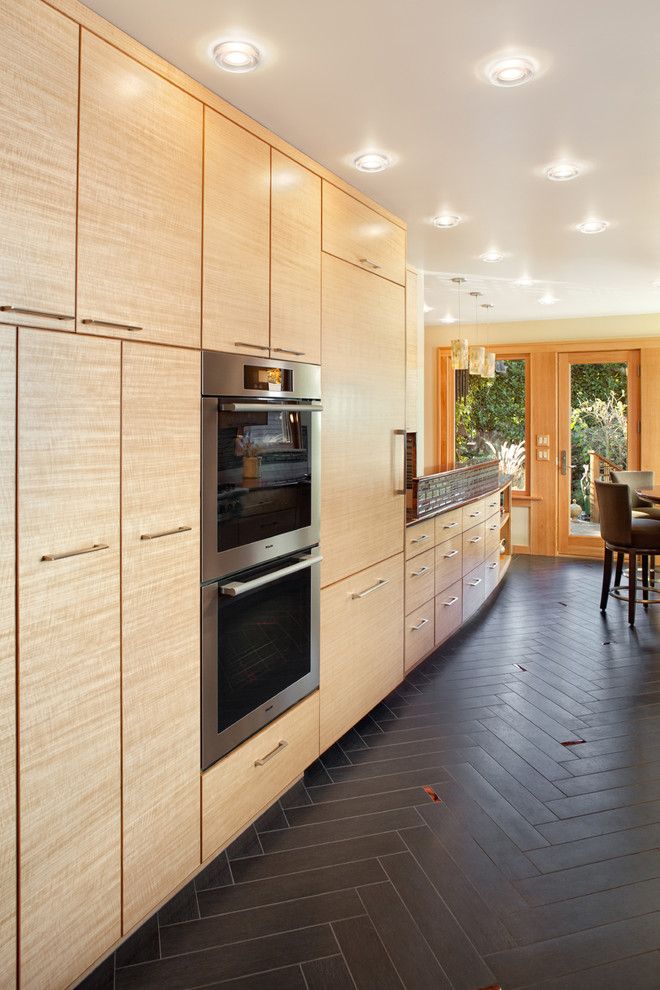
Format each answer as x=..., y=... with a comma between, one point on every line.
x=248, y=780
x=448, y=612
x=474, y=546
x=7, y=659
x=236, y=238
x=448, y=563
x=412, y=288
x=139, y=202
x=492, y=534
x=473, y=513
x=448, y=524
x=69, y=670
x=38, y=147
x=361, y=236
x=363, y=456
x=160, y=623
x=474, y=591
x=361, y=645
x=295, y=272
x=420, y=580
x=419, y=635
x=419, y=538
x=492, y=572
x=492, y=505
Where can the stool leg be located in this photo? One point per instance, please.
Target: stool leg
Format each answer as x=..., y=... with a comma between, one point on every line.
x=607, y=577
x=652, y=576
x=632, y=587
x=619, y=569
x=645, y=579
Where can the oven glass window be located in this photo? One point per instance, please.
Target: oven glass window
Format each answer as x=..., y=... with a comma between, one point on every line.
x=263, y=643
x=264, y=475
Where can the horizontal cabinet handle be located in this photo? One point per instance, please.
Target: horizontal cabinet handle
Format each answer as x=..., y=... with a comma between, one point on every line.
x=421, y=539
x=369, y=591
x=473, y=584
x=370, y=264
x=475, y=539
x=422, y=570
x=491, y=567
x=282, y=744
x=166, y=532
x=76, y=553
x=241, y=587
x=286, y=350
x=267, y=406
x=494, y=527
x=115, y=326
x=450, y=525
x=452, y=553
x=420, y=624
x=256, y=347
x=35, y=312
x=452, y=600
x=473, y=515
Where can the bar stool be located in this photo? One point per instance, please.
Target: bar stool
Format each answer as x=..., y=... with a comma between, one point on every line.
x=639, y=537
x=635, y=480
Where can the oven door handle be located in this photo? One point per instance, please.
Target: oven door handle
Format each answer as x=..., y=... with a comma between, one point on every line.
x=267, y=406
x=240, y=587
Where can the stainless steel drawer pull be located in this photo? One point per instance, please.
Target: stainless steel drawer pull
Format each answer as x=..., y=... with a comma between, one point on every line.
x=450, y=525
x=452, y=553
x=369, y=591
x=491, y=567
x=422, y=570
x=475, y=539
x=35, y=312
x=282, y=744
x=166, y=532
x=115, y=326
x=75, y=553
x=287, y=350
x=246, y=343
x=420, y=624
x=473, y=584
x=370, y=264
x=452, y=601
x=473, y=515
x=421, y=539
x=494, y=527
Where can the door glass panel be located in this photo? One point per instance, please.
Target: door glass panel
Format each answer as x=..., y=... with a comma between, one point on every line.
x=598, y=437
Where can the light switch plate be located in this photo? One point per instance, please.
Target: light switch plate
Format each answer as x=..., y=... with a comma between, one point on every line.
x=543, y=454
x=542, y=440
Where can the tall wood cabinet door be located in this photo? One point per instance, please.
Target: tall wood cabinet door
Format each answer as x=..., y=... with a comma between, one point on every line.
x=356, y=233
x=38, y=147
x=140, y=201
x=160, y=622
x=7, y=659
x=69, y=732
x=236, y=238
x=295, y=291
x=412, y=282
x=361, y=645
x=363, y=456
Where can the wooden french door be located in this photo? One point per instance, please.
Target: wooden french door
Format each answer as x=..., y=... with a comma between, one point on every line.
x=598, y=431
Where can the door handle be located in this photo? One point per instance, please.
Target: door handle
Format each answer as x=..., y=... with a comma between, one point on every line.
x=563, y=462
x=399, y=462
x=240, y=587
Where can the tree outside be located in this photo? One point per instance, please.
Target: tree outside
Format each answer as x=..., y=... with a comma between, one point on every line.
x=599, y=422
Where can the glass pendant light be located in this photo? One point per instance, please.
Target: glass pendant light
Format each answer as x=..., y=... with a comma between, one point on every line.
x=477, y=354
x=459, y=346
x=489, y=367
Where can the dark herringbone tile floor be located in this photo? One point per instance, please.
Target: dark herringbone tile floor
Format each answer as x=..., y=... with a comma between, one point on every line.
x=496, y=821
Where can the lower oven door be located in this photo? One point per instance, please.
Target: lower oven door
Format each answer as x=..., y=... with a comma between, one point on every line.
x=260, y=649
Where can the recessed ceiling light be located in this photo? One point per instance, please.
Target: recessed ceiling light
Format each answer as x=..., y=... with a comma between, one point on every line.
x=512, y=71
x=593, y=226
x=492, y=257
x=548, y=299
x=562, y=171
x=236, y=56
x=448, y=318
x=372, y=161
x=524, y=282
x=446, y=220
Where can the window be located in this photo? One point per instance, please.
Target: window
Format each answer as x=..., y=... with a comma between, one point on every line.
x=491, y=418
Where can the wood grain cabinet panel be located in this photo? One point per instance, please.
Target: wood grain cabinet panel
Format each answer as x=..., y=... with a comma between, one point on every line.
x=362, y=510
x=474, y=591
x=492, y=534
x=140, y=201
x=419, y=538
x=420, y=580
x=412, y=283
x=236, y=238
x=419, y=635
x=474, y=546
x=448, y=563
x=69, y=670
x=473, y=513
x=358, y=234
x=160, y=622
x=492, y=572
x=448, y=524
x=448, y=612
x=38, y=147
x=246, y=781
x=492, y=505
x=361, y=645
x=295, y=272
x=7, y=660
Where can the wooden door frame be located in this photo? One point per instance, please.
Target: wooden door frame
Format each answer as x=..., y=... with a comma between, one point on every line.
x=589, y=546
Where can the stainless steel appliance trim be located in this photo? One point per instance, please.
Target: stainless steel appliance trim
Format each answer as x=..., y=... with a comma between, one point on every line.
x=76, y=553
x=241, y=587
x=115, y=326
x=419, y=625
x=35, y=312
x=266, y=406
x=282, y=744
x=369, y=591
x=222, y=375
x=166, y=532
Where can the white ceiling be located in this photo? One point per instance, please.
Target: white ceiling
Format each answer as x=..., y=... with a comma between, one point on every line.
x=345, y=76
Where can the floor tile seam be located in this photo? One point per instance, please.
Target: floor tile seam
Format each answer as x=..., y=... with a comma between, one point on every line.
x=261, y=972
x=521, y=757
x=357, y=797
x=295, y=873
x=548, y=985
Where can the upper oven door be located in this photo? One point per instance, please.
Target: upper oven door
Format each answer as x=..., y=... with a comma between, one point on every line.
x=260, y=477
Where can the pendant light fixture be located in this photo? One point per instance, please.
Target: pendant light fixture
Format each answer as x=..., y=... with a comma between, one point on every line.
x=489, y=367
x=459, y=346
x=477, y=354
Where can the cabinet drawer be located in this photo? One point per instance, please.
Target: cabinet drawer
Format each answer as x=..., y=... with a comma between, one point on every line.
x=420, y=629
x=474, y=591
x=474, y=547
x=419, y=538
x=448, y=524
x=492, y=504
x=420, y=581
x=246, y=781
x=492, y=571
x=448, y=612
x=492, y=534
x=358, y=234
x=448, y=563
x=473, y=513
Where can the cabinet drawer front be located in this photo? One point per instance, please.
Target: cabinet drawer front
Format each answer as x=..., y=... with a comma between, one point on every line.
x=420, y=580
x=474, y=590
x=448, y=612
x=474, y=546
x=492, y=571
x=420, y=633
x=492, y=504
x=356, y=233
x=419, y=538
x=246, y=781
x=492, y=534
x=448, y=563
x=473, y=513
x=448, y=524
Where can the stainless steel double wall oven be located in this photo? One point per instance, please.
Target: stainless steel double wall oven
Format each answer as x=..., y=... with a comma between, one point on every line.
x=261, y=424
